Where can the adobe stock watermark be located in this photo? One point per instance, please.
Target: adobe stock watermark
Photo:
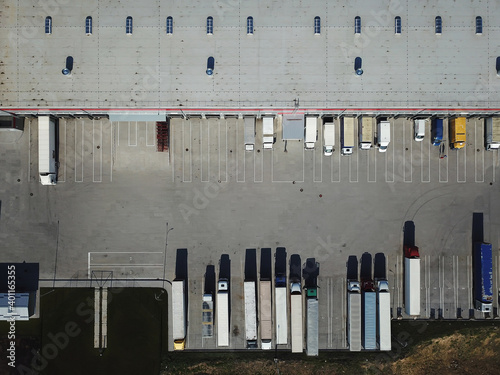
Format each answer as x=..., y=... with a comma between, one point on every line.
x=58, y=342
x=11, y=300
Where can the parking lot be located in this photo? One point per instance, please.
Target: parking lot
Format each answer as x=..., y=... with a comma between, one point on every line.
x=120, y=206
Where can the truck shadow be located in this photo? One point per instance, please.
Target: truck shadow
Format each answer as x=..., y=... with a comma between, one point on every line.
x=366, y=267
x=477, y=227
x=209, y=287
x=379, y=271
x=251, y=265
x=181, y=269
x=280, y=262
x=265, y=264
x=295, y=264
x=409, y=233
x=352, y=267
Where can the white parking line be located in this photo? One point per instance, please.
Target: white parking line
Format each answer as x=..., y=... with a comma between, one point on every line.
x=130, y=132
x=63, y=177
x=469, y=281
x=462, y=164
x=405, y=152
x=351, y=161
x=441, y=284
x=481, y=156
x=391, y=173
x=427, y=275
x=112, y=159
x=455, y=282
x=148, y=126
x=428, y=161
x=82, y=124
x=94, y=152
x=343, y=299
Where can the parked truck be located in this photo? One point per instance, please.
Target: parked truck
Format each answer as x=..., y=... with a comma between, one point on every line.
x=311, y=132
x=437, y=131
x=266, y=333
x=179, y=314
x=492, y=133
x=250, y=314
x=347, y=135
x=365, y=132
x=312, y=321
x=281, y=305
x=47, y=164
x=383, y=135
x=207, y=316
x=457, y=132
x=412, y=280
x=369, y=315
x=383, y=315
x=222, y=309
x=268, y=132
x=249, y=133
x=354, y=315
x=483, y=277
x=328, y=138
x=297, y=334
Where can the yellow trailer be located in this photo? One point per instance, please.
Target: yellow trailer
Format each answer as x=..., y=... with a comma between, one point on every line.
x=457, y=132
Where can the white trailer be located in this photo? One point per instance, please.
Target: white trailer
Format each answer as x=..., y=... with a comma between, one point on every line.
x=250, y=314
x=268, y=132
x=492, y=133
x=222, y=309
x=328, y=138
x=366, y=133
x=354, y=321
x=311, y=132
x=179, y=314
x=312, y=326
x=249, y=133
x=383, y=135
x=384, y=315
x=47, y=165
x=266, y=333
x=281, y=316
x=412, y=281
x=296, y=320
x=347, y=135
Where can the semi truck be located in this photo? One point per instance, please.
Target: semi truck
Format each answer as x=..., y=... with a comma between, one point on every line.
x=268, y=132
x=249, y=133
x=297, y=335
x=328, y=138
x=179, y=314
x=492, y=133
x=311, y=132
x=207, y=316
x=47, y=164
x=365, y=132
x=281, y=305
x=437, y=131
x=347, y=135
x=457, y=132
x=483, y=277
x=354, y=315
x=369, y=315
x=222, y=309
x=383, y=315
x=312, y=321
x=250, y=314
x=412, y=280
x=266, y=333
x=383, y=135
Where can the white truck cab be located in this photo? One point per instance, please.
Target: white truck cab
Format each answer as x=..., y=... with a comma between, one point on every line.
x=419, y=130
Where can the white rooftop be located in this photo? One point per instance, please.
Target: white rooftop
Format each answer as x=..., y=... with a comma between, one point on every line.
x=283, y=60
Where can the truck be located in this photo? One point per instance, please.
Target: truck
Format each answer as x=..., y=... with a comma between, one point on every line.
x=437, y=131
x=311, y=132
x=383, y=135
x=354, y=315
x=328, y=138
x=419, y=130
x=297, y=335
x=347, y=135
x=47, y=163
x=492, y=133
x=457, y=132
x=369, y=315
x=281, y=305
x=312, y=321
x=207, y=320
x=179, y=314
x=250, y=314
x=483, y=277
x=365, y=132
x=383, y=315
x=249, y=133
x=268, y=132
x=412, y=280
x=266, y=333
x=222, y=312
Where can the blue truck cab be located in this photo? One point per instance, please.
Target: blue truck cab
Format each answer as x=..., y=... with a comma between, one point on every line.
x=483, y=277
x=437, y=131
